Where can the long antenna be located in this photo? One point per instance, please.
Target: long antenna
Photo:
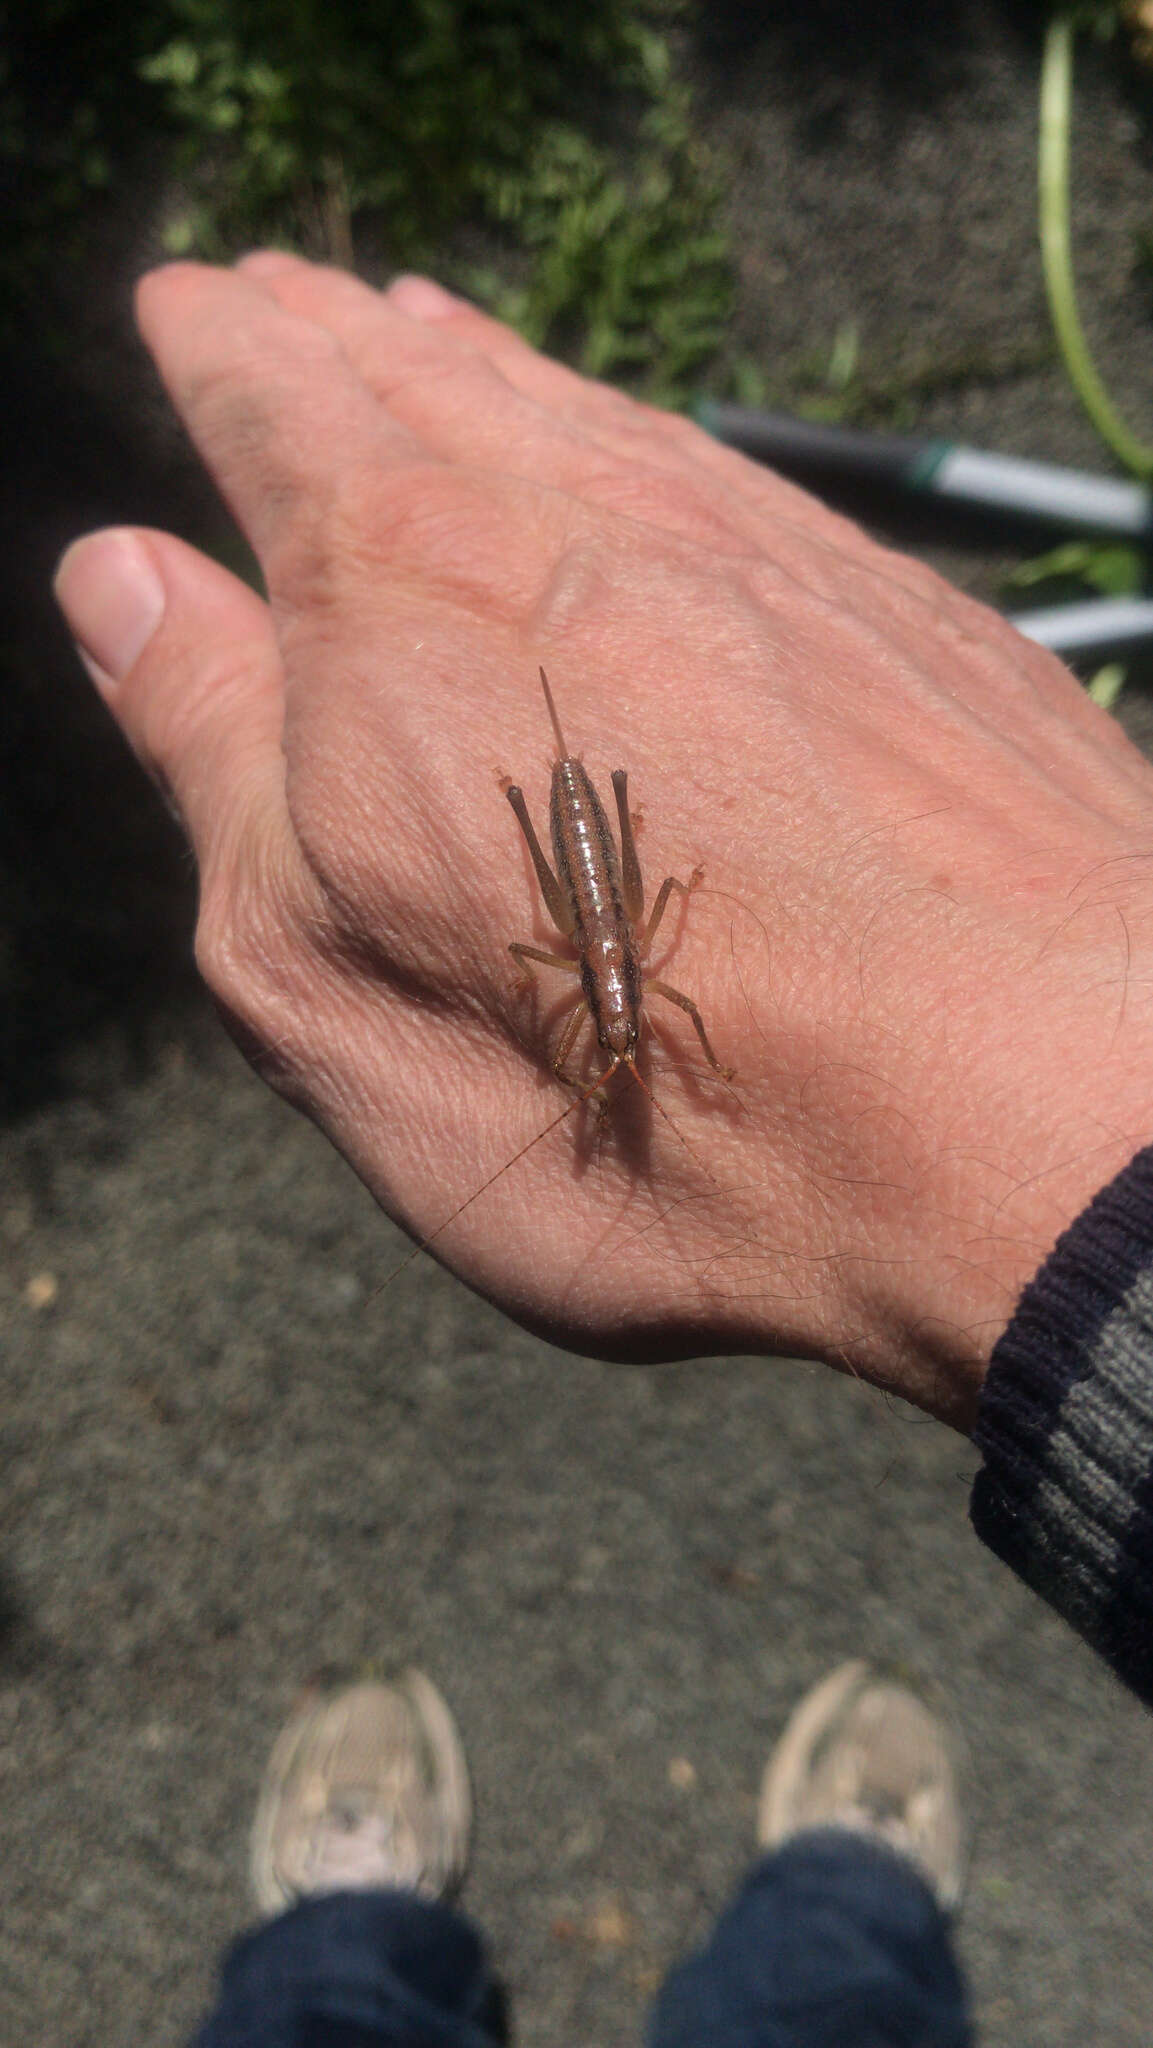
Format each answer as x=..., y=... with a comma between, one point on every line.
x=672, y=1123
x=485, y=1185
x=560, y=740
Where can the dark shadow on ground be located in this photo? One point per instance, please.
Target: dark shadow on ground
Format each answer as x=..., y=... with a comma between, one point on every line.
x=97, y=889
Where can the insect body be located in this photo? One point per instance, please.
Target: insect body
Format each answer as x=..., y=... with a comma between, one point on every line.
x=596, y=899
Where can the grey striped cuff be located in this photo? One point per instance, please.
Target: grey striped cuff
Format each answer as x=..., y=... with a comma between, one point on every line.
x=1066, y=1428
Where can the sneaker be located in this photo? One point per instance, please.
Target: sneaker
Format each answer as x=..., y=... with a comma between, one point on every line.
x=366, y=1788
x=865, y=1753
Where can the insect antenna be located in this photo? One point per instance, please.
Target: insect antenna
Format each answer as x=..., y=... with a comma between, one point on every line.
x=426, y=1242
x=672, y=1123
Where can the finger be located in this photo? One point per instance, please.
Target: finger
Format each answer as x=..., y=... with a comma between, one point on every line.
x=273, y=403
x=184, y=655
x=430, y=375
x=332, y=296
x=457, y=401
x=629, y=423
x=454, y=376
x=329, y=486
x=471, y=391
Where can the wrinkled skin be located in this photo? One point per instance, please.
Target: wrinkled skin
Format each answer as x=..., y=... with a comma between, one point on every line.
x=924, y=935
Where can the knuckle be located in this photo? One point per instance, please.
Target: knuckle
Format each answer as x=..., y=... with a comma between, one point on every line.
x=248, y=951
x=457, y=535
x=179, y=692
x=372, y=521
x=234, y=967
x=240, y=400
x=662, y=500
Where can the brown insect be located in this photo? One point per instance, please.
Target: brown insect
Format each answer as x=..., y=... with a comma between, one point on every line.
x=596, y=899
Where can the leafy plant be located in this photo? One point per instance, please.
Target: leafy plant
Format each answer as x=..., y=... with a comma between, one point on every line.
x=1108, y=568
x=540, y=156
x=629, y=270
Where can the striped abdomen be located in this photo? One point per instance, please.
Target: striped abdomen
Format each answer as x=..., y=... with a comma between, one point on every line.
x=589, y=872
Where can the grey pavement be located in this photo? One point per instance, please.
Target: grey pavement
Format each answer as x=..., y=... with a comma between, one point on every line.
x=226, y=1465
x=229, y=1467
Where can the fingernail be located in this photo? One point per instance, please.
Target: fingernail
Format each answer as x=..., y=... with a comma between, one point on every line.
x=421, y=299
x=113, y=599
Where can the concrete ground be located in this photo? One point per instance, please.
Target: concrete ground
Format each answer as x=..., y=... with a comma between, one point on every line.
x=226, y=1467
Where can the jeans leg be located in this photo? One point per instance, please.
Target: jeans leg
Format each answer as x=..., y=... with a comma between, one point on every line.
x=832, y=1942
x=367, y=1969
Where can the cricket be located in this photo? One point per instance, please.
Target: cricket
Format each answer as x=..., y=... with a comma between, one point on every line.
x=595, y=897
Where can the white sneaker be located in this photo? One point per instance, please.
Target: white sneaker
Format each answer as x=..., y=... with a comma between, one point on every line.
x=863, y=1752
x=366, y=1788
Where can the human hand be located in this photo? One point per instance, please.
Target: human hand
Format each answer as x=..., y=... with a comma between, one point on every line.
x=924, y=935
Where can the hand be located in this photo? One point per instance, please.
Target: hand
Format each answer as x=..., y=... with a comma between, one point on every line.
x=924, y=934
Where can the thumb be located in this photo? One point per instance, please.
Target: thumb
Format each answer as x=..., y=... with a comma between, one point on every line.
x=186, y=659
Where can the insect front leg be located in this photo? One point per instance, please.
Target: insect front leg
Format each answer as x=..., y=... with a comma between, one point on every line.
x=568, y=1039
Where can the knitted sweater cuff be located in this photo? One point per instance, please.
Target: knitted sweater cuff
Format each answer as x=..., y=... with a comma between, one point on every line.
x=1065, y=1426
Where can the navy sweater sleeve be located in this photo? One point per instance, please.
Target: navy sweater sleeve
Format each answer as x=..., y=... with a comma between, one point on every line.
x=1065, y=1495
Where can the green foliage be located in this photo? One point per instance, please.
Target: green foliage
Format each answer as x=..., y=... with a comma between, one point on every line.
x=538, y=155
x=1099, y=568
x=628, y=270
x=843, y=384
x=1086, y=568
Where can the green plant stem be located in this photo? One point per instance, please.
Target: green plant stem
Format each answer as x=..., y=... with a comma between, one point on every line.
x=1056, y=255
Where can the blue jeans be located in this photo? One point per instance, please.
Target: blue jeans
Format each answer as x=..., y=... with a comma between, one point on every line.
x=831, y=1942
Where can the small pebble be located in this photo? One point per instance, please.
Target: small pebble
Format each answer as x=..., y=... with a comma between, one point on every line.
x=42, y=1290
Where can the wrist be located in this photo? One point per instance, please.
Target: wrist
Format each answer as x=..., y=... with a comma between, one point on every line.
x=928, y=1170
